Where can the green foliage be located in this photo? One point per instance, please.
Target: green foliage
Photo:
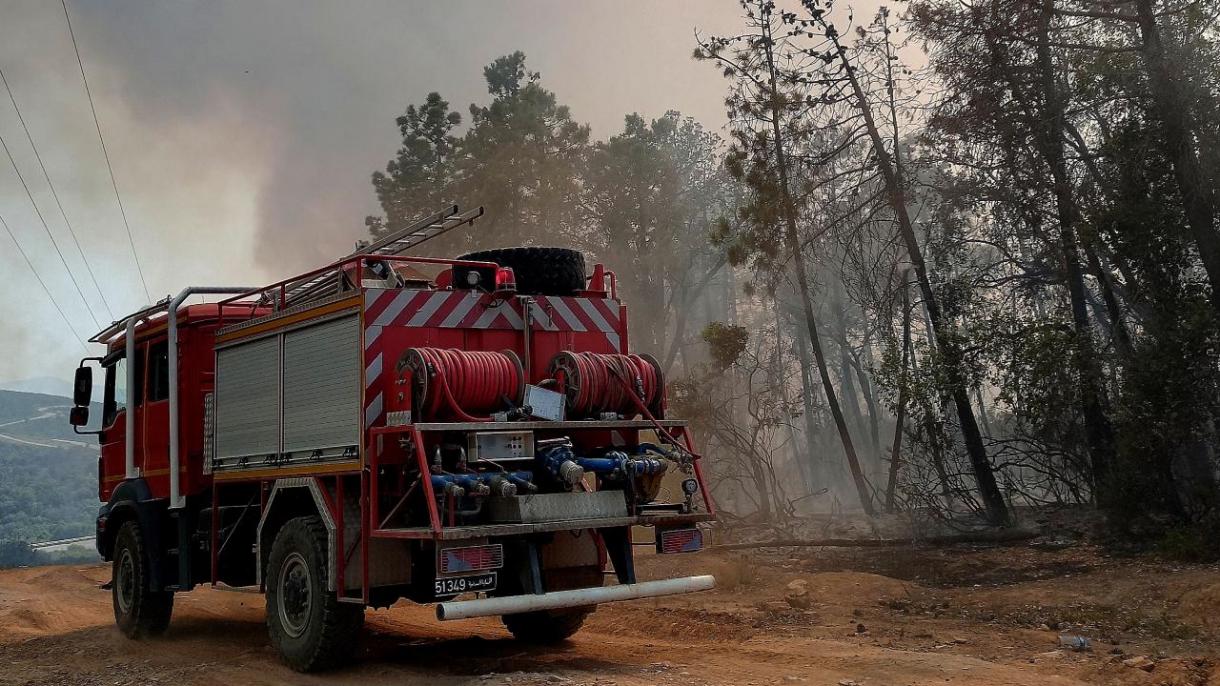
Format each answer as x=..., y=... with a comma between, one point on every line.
x=654, y=194
x=1164, y=417
x=47, y=493
x=49, y=489
x=520, y=157
x=726, y=342
x=16, y=553
x=416, y=181
x=1196, y=543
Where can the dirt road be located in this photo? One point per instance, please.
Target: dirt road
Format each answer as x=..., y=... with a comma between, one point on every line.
x=980, y=616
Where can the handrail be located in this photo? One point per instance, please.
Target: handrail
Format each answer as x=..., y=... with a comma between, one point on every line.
x=119, y=325
x=175, y=496
x=355, y=261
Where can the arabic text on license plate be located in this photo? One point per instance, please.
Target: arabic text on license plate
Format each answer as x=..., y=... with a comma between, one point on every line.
x=464, y=584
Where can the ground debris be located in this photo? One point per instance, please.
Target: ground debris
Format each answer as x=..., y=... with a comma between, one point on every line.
x=797, y=594
x=1140, y=662
x=970, y=613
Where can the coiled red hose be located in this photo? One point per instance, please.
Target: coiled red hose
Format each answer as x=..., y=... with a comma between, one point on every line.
x=596, y=383
x=464, y=383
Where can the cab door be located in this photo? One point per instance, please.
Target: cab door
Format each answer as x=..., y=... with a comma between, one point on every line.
x=110, y=468
x=152, y=418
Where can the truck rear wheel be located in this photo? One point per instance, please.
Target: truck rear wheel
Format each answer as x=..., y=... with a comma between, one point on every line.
x=309, y=627
x=139, y=611
x=553, y=626
x=546, y=626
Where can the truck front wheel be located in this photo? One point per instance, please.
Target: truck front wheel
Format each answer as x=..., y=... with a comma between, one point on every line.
x=309, y=627
x=139, y=611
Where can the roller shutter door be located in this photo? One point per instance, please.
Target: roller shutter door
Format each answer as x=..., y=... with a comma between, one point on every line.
x=247, y=400
x=322, y=387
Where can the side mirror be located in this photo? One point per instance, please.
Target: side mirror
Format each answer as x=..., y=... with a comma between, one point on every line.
x=82, y=387
x=82, y=395
x=79, y=416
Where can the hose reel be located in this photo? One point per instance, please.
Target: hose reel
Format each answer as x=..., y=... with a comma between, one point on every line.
x=597, y=384
x=463, y=384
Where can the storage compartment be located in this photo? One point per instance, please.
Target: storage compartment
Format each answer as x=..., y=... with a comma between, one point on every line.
x=289, y=398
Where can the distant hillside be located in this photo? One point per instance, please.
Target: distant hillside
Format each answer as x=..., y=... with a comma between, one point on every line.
x=48, y=385
x=34, y=416
x=48, y=474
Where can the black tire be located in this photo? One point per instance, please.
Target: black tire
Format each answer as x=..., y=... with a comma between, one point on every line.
x=539, y=271
x=139, y=611
x=548, y=627
x=308, y=625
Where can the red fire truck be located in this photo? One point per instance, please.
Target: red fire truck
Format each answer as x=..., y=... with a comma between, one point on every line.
x=481, y=438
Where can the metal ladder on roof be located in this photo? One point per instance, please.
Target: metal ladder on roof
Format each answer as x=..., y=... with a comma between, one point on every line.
x=336, y=280
x=402, y=240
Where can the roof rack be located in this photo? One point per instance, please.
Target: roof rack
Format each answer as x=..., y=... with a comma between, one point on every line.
x=120, y=324
x=332, y=281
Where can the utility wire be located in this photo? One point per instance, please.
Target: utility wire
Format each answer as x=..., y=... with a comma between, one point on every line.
x=105, y=153
x=42, y=283
x=50, y=235
x=47, y=176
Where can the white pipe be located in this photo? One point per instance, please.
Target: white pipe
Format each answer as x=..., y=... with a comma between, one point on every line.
x=510, y=605
x=175, y=495
x=129, y=413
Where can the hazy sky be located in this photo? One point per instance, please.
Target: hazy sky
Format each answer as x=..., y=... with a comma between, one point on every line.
x=243, y=133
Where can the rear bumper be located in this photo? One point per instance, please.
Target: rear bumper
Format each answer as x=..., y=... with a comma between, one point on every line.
x=454, y=533
x=509, y=605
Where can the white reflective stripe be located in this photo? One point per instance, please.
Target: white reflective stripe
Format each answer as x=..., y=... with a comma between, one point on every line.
x=370, y=334
x=539, y=316
x=372, y=412
x=484, y=321
x=372, y=371
x=514, y=319
x=469, y=300
x=371, y=295
x=595, y=314
x=612, y=318
x=429, y=308
x=400, y=303
x=569, y=317
x=600, y=321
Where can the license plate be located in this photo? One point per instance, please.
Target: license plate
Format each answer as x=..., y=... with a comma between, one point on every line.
x=457, y=585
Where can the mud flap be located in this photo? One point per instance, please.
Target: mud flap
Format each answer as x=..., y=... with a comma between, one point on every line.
x=618, y=548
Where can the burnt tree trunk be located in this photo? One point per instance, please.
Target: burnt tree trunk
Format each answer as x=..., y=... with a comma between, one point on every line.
x=1098, y=431
x=891, y=484
x=1198, y=198
x=816, y=471
x=995, y=509
x=793, y=245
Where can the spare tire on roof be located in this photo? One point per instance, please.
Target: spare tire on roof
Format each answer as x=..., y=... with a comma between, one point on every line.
x=539, y=271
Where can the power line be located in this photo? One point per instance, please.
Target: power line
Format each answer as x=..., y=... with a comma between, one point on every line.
x=42, y=283
x=105, y=153
x=47, y=176
x=47, y=228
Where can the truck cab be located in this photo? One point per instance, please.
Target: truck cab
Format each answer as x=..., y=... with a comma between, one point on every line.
x=147, y=400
